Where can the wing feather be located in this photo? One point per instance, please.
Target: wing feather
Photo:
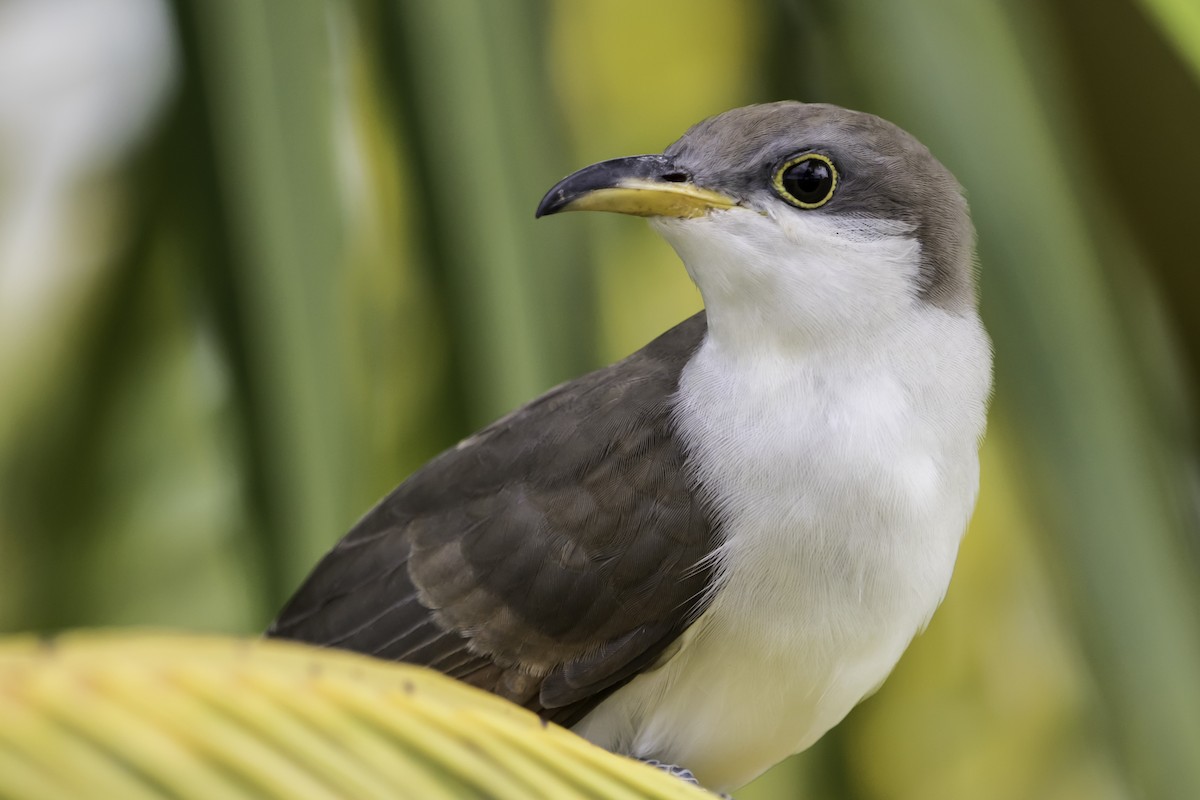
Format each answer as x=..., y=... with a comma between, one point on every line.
x=550, y=558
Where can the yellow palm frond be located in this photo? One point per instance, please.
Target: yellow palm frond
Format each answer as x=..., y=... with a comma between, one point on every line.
x=153, y=715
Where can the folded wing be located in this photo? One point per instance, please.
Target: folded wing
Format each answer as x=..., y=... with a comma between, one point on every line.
x=550, y=558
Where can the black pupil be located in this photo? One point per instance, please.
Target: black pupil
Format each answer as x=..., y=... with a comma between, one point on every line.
x=808, y=181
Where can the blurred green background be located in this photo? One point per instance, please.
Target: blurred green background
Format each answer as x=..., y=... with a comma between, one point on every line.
x=259, y=260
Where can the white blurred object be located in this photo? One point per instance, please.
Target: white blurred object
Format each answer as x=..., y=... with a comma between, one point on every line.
x=80, y=80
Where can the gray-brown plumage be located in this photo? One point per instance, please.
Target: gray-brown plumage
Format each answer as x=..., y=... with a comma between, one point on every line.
x=549, y=558
x=885, y=175
x=708, y=553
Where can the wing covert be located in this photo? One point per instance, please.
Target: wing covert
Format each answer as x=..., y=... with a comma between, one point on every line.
x=548, y=558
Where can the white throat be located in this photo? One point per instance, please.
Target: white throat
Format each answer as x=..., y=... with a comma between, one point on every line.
x=797, y=280
x=833, y=418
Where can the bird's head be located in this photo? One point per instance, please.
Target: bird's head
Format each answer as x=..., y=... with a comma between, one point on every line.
x=797, y=221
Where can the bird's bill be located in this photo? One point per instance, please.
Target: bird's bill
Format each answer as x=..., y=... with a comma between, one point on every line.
x=645, y=186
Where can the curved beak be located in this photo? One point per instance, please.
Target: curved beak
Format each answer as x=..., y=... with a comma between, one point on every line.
x=645, y=186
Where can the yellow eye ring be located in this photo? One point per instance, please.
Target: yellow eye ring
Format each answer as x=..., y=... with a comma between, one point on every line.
x=807, y=181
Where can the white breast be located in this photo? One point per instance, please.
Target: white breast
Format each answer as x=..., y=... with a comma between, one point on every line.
x=844, y=480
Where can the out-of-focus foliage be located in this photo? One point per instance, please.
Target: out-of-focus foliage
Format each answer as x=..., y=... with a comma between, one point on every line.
x=259, y=260
x=142, y=715
x=1180, y=22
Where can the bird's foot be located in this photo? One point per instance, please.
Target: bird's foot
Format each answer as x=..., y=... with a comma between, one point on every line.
x=683, y=773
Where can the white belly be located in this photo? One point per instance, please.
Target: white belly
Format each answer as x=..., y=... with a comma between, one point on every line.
x=844, y=496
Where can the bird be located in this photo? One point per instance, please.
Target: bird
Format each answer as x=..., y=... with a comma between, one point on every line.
x=706, y=554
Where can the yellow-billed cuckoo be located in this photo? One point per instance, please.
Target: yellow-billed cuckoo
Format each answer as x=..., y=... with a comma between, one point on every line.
x=706, y=554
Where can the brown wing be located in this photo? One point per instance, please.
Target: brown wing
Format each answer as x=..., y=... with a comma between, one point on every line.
x=550, y=558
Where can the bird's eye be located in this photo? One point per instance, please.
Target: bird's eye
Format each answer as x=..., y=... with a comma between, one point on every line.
x=807, y=181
